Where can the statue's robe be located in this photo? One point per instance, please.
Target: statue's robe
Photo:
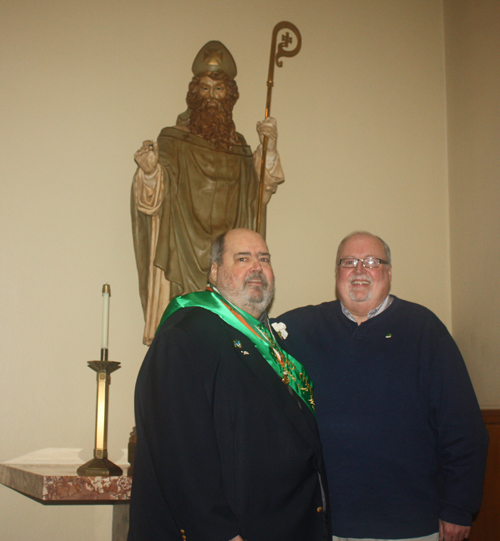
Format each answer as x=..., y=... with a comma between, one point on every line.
x=199, y=193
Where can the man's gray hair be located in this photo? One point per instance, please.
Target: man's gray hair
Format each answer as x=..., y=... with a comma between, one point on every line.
x=353, y=234
x=217, y=251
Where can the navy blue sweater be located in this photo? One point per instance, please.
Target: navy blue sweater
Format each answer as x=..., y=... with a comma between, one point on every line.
x=403, y=438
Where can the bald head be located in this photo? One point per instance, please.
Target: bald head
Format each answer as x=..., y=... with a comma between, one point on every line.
x=241, y=270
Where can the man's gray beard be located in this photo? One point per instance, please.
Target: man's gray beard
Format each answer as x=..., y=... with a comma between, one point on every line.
x=256, y=302
x=352, y=294
x=266, y=292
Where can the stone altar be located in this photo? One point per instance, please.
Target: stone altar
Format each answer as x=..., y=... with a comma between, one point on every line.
x=58, y=483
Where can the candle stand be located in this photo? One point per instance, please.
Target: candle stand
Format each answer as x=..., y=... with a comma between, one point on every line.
x=100, y=464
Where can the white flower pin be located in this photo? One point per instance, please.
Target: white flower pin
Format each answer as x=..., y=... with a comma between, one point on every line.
x=280, y=328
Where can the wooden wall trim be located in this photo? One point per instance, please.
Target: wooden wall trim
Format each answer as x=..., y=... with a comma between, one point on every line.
x=487, y=525
x=491, y=416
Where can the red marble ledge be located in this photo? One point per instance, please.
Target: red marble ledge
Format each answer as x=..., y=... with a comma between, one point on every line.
x=60, y=483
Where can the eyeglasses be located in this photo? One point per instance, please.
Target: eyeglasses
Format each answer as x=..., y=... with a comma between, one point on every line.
x=367, y=262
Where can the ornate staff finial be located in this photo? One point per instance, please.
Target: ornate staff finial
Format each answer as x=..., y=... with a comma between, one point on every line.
x=278, y=50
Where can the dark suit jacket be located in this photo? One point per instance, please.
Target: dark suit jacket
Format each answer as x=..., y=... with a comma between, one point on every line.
x=223, y=447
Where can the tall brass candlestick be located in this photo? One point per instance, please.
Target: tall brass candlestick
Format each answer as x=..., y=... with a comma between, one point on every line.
x=100, y=464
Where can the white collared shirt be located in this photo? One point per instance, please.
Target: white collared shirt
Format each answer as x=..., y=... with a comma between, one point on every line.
x=372, y=313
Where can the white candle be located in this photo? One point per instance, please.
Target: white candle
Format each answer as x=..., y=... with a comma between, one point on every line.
x=106, y=293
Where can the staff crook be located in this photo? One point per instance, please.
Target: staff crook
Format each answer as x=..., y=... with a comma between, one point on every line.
x=286, y=40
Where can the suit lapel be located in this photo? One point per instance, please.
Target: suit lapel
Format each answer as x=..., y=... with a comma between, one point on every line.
x=300, y=417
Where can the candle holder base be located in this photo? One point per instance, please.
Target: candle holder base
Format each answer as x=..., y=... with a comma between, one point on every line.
x=101, y=467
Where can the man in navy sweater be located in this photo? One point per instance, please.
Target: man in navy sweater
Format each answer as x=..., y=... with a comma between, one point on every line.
x=403, y=438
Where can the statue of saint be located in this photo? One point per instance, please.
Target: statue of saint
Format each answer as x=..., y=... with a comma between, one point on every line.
x=198, y=180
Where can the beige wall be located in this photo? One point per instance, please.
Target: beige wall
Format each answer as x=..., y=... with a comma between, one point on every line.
x=362, y=118
x=473, y=91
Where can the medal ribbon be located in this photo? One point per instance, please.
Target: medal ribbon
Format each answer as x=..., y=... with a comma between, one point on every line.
x=287, y=367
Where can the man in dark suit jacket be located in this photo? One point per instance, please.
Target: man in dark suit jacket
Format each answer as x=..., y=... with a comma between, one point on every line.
x=228, y=447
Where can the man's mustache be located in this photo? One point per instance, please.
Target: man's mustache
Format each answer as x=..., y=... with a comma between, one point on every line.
x=363, y=277
x=257, y=275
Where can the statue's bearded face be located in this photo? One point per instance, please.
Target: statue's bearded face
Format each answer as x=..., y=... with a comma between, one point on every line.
x=211, y=98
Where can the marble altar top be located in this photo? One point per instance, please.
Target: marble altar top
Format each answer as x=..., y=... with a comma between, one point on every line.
x=58, y=483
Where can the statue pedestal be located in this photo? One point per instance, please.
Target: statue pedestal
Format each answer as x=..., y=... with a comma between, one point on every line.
x=58, y=484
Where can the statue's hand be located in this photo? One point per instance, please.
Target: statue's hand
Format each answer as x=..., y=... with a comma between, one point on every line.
x=269, y=128
x=147, y=157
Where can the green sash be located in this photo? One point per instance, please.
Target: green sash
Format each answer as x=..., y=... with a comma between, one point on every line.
x=287, y=367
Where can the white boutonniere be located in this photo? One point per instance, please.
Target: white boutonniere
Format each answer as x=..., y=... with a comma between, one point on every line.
x=280, y=328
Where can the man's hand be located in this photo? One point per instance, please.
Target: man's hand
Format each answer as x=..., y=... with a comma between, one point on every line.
x=237, y=538
x=269, y=128
x=147, y=157
x=452, y=532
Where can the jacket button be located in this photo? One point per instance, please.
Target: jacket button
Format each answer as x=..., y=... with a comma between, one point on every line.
x=319, y=509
